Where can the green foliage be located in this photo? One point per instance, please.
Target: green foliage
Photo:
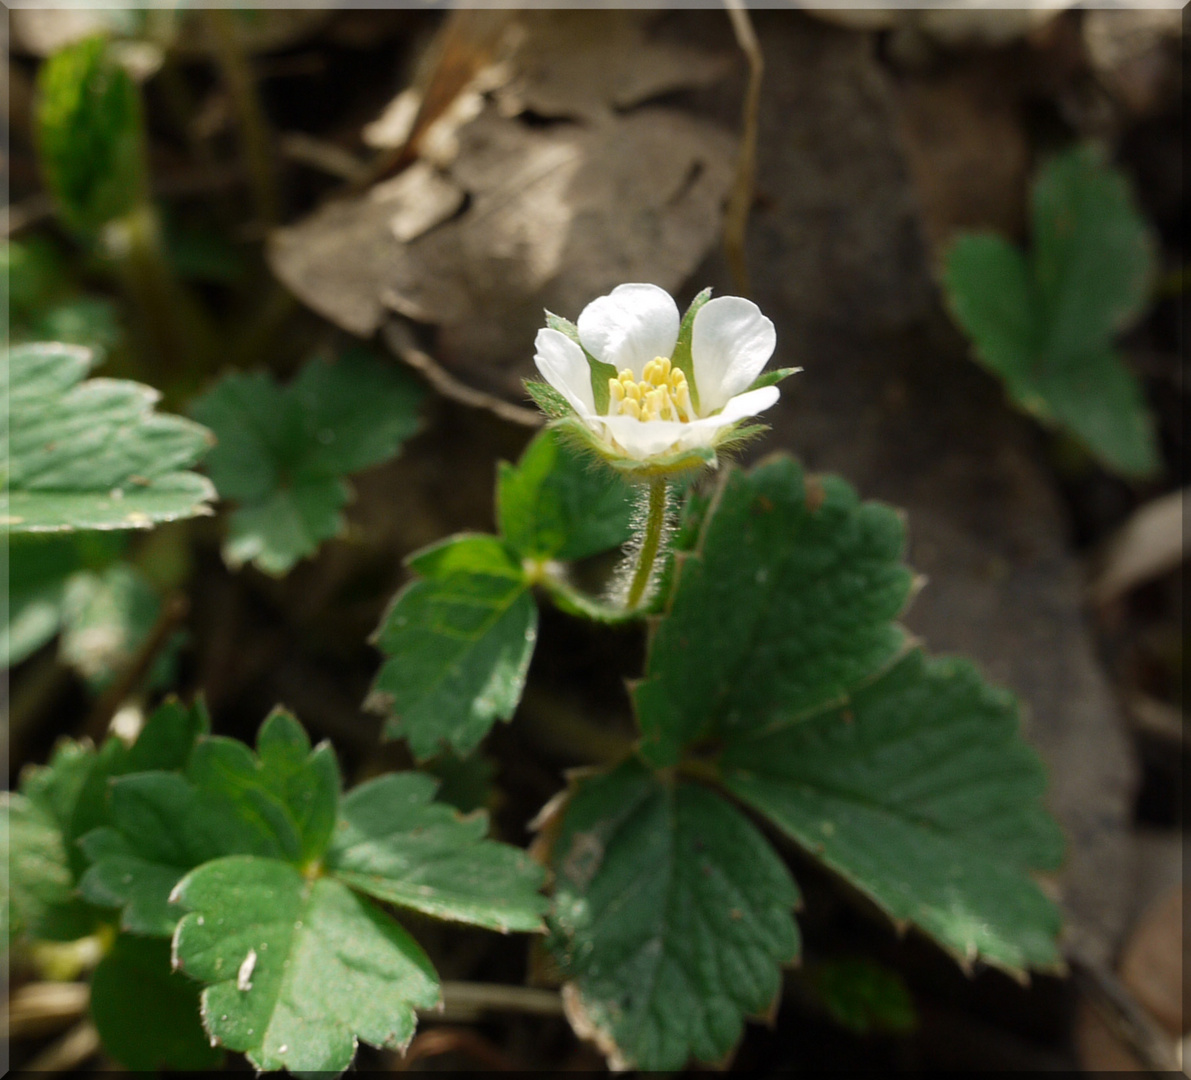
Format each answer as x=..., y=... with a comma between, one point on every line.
x=672, y=916
x=106, y=617
x=1045, y=323
x=863, y=996
x=91, y=455
x=37, y=571
x=90, y=135
x=681, y=357
x=283, y=452
x=399, y=846
x=146, y=1014
x=298, y=969
x=458, y=642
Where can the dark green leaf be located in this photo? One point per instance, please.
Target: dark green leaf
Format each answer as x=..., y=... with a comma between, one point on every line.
x=396, y=844
x=90, y=135
x=784, y=607
x=168, y=737
x=557, y=504
x=91, y=455
x=147, y=1015
x=283, y=451
x=299, y=969
x=458, y=646
x=919, y=792
x=672, y=918
x=863, y=996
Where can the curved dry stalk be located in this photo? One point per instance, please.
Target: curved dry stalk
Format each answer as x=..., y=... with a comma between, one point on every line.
x=740, y=201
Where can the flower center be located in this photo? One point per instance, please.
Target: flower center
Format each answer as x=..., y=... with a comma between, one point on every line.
x=662, y=393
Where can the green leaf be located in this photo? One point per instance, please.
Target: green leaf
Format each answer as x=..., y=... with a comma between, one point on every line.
x=1094, y=255
x=1046, y=325
x=169, y=736
x=458, y=645
x=106, y=618
x=557, y=504
x=396, y=844
x=299, y=969
x=681, y=357
x=147, y=1015
x=785, y=605
x=283, y=452
x=91, y=455
x=286, y=792
x=920, y=793
x=863, y=996
x=37, y=571
x=672, y=915
x=90, y=135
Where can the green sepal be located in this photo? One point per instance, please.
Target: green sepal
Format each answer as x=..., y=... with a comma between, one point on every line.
x=549, y=400
x=772, y=378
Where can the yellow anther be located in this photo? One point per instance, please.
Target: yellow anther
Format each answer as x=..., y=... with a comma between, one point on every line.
x=660, y=394
x=615, y=391
x=633, y=391
x=629, y=407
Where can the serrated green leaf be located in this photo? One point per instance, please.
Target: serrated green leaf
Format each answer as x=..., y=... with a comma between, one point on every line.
x=283, y=452
x=106, y=617
x=557, y=504
x=921, y=794
x=393, y=842
x=286, y=792
x=299, y=969
x=672, y=917
x=458, y=646
x=91, y=455
x=784, y=607
x=169, y=736
x=90, y=135
x=1046, y=326
x=147, y=1015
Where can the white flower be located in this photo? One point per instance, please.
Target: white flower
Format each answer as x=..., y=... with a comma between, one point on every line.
x=671, y=393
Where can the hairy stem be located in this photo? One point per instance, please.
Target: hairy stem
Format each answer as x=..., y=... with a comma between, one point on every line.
x=655, y=525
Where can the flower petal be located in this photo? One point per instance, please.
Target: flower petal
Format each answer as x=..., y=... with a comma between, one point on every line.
x=630, y=326
x=704, y=431
x=642, y=439
x=564, y=367
x=731, y=342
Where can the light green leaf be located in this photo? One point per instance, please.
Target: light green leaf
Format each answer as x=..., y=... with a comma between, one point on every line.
x=396, y=844
x=286, y=792
x=672, y=918
x=106, y=616
x=91, y=455
x=557, y=504
x=90, y=135
x=458, y=646
x=919, y=791
x=283, y=452
x=146, y=1014
x=298, y=969
x=783, y=607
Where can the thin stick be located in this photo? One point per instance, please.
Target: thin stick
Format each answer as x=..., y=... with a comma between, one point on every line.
x=250, y=114
x=69, y=1052
x=41, y=1007
x=470, y=998
x=736, y=215
x=654, y=526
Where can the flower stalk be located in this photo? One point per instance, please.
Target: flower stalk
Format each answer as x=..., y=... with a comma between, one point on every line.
x=651, y=543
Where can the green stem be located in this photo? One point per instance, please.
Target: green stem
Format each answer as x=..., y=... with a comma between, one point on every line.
x=250, y=114
x=651, y=545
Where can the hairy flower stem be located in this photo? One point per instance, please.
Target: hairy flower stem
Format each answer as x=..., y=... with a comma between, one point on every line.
x=651, y=544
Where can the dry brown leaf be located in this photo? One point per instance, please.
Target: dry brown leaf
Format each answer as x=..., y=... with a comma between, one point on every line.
x=1148, y=545
x=1135, y=52
x=1152, y=966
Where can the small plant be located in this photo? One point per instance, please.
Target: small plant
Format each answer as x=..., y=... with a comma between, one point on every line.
x=1045, y=322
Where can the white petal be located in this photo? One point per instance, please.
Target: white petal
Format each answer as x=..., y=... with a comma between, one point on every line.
x=630, y=326
x=645, y=438
x=703, y=432
x=730, y=344
x=564, y=367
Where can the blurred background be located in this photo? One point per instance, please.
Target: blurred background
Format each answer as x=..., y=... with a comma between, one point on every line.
x=427, y=182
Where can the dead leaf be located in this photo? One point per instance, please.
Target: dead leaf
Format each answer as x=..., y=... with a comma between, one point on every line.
x=1148, y=545
x=1153, y=962
x=1136, y=55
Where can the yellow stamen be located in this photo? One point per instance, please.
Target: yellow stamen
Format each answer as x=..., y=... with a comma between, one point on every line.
x=661, y=393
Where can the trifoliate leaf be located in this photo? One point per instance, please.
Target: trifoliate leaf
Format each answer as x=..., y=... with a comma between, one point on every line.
x=147, y=1015
x=396, y=844
x=1045, y=325
x=90, y=135
x=283, y=452
x=106, y=616
x=919, y=791
x=556, y=504
x=783, y=607
x=91, y=455
x=458, y=643
x=299, y=968
x=672, y=917
x=285, y=792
